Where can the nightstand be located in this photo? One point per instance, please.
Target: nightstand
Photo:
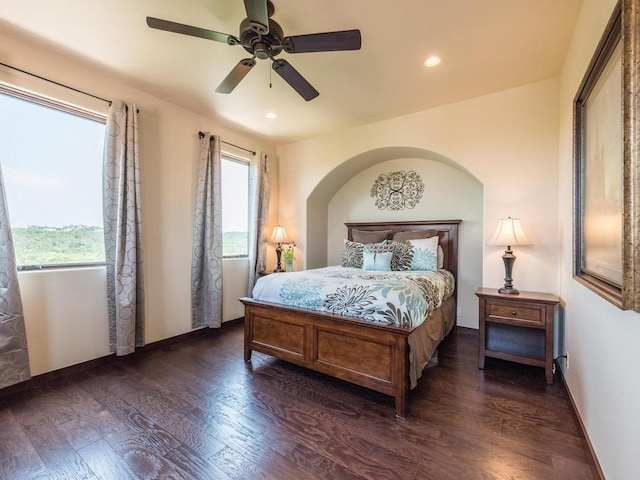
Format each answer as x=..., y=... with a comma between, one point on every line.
x=518, y=328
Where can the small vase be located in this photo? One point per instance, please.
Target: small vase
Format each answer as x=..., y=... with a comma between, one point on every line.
x=288, y=264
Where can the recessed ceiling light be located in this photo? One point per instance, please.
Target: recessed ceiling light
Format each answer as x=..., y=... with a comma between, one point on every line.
x=432, y=61
x=271, y=115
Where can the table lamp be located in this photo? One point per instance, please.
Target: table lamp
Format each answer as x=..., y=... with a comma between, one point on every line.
x=279, y=236
x=509, y=232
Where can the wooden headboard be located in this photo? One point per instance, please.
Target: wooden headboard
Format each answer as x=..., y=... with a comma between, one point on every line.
x=447, y=236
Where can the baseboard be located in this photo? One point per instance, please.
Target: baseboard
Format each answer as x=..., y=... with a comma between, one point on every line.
x=109, y=359
x=593, y=459
x=467, y=331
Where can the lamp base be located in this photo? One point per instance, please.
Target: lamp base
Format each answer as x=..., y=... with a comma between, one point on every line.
x=508, y=259
x=509, y=290
x=278, y=259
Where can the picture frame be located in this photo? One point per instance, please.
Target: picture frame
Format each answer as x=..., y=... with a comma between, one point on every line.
x=606, y=166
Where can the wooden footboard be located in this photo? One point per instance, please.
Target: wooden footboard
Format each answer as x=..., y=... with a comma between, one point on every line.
x=366, y=354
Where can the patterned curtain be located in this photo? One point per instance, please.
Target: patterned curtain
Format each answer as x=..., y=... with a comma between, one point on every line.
x=206, y=260
x=14, y=358
x=123, y=229
x=259, y=193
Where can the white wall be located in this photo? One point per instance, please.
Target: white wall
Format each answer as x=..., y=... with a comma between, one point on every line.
x=508, y=141
x=449, y=193
x=601, y=339
x=65, y=310
x=65, y=318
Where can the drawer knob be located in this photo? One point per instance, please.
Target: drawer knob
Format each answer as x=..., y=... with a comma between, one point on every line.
x=513, y=312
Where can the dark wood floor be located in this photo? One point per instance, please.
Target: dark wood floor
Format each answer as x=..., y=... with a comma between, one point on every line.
x=195, y=410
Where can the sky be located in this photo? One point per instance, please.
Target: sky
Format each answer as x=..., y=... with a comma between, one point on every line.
x=235, y=196
x=52, y=165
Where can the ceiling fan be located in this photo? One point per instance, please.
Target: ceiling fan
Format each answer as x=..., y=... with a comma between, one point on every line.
x=264, y=39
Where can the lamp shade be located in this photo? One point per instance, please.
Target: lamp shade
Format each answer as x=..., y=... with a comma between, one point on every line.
x=510, y=232
x=279, y=234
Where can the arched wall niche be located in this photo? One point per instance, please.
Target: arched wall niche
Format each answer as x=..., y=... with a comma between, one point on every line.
x=451, y=191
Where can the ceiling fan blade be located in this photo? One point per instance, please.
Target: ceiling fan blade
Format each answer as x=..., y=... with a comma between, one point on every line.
x=258, y=15
x=190, y=30
x=293, y=78
x=323, y=42
x=236, y=75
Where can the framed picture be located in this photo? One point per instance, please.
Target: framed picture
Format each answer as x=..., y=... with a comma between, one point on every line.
x=606, y=177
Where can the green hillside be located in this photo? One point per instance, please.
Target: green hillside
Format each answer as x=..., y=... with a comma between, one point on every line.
x=234, y=244
x=36, y=245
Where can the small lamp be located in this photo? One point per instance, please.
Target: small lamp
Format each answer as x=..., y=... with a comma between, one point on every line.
x=509, y=233
x=279, y=236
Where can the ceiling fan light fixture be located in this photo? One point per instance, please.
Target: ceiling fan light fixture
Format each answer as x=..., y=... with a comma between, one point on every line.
x=261, y=50
x=432, y=61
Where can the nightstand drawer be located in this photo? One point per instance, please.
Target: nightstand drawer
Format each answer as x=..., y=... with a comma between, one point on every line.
x=516, y=313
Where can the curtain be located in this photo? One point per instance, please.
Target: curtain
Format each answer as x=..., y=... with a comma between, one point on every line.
x=206, y=260
x=123, y=229
x=14, y=358
x=259, y=193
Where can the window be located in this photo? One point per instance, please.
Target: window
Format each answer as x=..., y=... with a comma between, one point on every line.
x=51, y=157
x=235, y=206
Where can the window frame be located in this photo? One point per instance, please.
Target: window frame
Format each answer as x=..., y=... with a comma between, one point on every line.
x=61, y=106
x=226, y=156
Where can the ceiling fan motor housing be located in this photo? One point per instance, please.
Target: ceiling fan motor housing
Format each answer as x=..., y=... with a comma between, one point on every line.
x=262, y=46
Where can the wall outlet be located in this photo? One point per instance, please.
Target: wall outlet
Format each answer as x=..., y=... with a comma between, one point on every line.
x=566, y=363
x=459, y=311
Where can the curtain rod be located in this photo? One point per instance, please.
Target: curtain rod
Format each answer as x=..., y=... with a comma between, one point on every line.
x=201, y=135
x=55, y=83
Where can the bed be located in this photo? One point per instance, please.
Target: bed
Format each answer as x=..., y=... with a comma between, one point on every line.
x=385, y=358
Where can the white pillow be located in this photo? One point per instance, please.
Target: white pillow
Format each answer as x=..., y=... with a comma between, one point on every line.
x=424, y=254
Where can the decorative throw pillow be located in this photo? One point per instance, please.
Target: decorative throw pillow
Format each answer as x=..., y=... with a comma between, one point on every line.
x=414, y=235
x=365, y=236
x=380, y=261
x=352, y=254
x=401, y=259
x=424, y=254
x=379, y=247
x=403, y=253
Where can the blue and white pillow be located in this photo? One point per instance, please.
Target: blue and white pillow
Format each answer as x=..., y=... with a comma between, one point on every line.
x=424, y=254
x=375, y=260
x=353, y=253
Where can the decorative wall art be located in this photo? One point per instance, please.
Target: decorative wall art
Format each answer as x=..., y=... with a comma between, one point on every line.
x=606, y=162
x=397, y=190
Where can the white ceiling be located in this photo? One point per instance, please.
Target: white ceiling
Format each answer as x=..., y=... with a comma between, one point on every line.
x=486, y=46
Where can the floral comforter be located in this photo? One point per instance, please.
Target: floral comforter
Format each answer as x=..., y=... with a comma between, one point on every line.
x=402, y=299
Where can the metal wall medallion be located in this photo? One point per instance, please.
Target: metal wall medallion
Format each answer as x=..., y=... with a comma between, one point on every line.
x=397, y=190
